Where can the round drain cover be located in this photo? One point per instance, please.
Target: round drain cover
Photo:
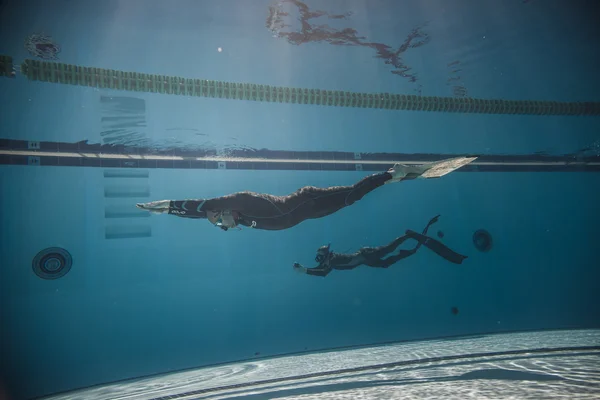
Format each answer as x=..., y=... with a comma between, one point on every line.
x=52, y=263
x=482, y=240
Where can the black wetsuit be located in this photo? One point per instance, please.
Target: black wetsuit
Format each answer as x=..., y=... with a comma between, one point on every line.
x=265, y=211
x=373, y=256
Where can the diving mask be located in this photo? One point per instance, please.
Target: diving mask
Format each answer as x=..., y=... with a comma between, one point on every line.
x=322, y=254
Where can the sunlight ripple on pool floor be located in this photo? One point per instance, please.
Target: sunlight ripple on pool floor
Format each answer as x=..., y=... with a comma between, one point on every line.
x=544, y=364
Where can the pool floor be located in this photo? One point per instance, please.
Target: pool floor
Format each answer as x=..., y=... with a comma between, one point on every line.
x=544, y=364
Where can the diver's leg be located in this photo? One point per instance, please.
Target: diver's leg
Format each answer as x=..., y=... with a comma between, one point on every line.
x=385, y=263
x=401, y=172
x=431, y=222
x=382, y=251
x=367, y=185
x=350, y=193
x=438, y=247
x=312, y=202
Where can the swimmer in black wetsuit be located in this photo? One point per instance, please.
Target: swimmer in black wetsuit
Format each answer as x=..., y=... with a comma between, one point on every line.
x=268, y=212
x=374, y=256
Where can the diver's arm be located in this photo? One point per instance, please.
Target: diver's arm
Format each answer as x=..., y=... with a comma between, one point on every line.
x=321, y=270
x=179, y=208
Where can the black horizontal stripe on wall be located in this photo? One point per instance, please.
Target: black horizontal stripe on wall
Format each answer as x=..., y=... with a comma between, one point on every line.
x=83, y=154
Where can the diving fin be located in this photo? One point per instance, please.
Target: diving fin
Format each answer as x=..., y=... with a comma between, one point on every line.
x=437, y=169
x=443, y=167
x=437, y=247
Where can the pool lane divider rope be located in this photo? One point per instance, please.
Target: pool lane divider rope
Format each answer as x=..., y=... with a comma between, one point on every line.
x=68, y=74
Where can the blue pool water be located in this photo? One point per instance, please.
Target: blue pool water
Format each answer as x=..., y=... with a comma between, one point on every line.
x=148, y=295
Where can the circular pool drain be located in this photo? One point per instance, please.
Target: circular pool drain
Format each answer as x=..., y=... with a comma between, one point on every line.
x=52, y=263
x=482, y=240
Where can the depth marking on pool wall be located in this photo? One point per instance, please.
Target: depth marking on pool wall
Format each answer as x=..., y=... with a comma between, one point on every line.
x=120, y=187
x=53, y=72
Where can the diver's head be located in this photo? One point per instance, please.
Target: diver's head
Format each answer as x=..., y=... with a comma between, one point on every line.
x=323, y=254
x=222, y=219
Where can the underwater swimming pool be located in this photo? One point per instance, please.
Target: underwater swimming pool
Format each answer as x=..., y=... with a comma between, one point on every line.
x=119, y=103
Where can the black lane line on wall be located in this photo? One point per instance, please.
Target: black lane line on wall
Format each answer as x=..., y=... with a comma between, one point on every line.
x=82, y=154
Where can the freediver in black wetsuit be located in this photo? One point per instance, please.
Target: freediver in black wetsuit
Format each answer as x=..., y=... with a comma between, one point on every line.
x=268, y=212
x=374, y=256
